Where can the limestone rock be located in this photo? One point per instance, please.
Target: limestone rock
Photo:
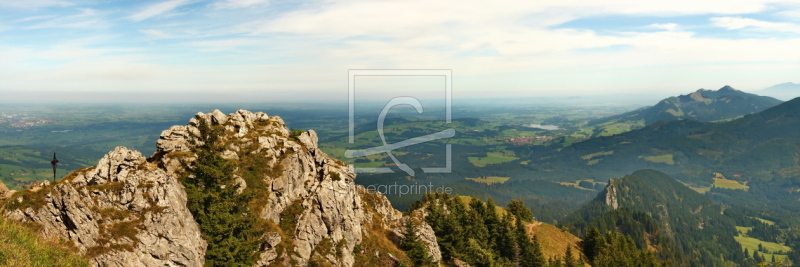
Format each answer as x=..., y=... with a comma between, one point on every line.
x=611, y=194
x=132, y=211
x=332, y=205
x=174, y=139
x=123, y=212
x=424, y=232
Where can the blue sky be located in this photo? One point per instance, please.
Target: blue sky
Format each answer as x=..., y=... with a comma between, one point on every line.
x=298, y=50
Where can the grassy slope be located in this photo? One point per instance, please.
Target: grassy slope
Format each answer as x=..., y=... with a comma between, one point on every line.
x=489, y=180
x=491, y=158
x=554, y=241
x=21, y=246
x=666, y=159
x=729, y=184
x=751, y=244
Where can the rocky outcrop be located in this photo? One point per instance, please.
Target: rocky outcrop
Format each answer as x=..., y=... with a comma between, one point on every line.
x=611, y=194
x=330, y=207
x=123, y=212
x=130, y=210
x=423, y=231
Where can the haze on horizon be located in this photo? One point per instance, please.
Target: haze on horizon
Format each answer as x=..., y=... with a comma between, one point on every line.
x=261, y=50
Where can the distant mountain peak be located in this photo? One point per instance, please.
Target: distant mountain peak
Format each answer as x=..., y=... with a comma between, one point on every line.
x=785, y=91
x=724, y=89
x=701, y=105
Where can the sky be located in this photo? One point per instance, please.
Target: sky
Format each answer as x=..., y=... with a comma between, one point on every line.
x=275, y=50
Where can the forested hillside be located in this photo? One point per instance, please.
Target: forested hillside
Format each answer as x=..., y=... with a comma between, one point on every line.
x=661, y=214
x=761, y=146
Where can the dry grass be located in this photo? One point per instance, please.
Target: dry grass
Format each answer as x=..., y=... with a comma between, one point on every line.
x=490, y=180
x=111, y=214
x=108, y=187
x=22, y=246
x=376, y=238
x=554, y=241
x=597, y=154
x=112, y=233
x=721, y=182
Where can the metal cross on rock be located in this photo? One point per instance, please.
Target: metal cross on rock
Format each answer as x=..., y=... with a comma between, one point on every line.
x=55, y=165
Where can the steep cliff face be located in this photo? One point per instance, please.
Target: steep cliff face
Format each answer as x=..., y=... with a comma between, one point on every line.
x=611, y=194
x=132, y=210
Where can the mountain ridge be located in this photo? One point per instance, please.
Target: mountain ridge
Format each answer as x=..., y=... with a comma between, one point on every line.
x=759, y=146
x=701, y=105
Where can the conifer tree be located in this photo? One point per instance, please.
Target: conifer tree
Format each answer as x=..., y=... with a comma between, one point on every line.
x=492, y=223
x=415, y=249
x=592, y=243
x=518, y=208
x=476, y=255
x=538, y=255
x=530, y=251
x=555, y=262
x=225, y=221
x=506, y=243
x=569, y=260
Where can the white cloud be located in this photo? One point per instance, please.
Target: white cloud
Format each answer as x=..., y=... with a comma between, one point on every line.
x=736, y=23
x=366, y=17
x=507, y=27
x=517, y=38
x=33, y=4
x=226, y=44
x=157, y=34
x=240, y=3
x=42, y=17
x=665, y=26
x=790, y=14
x=508, y=45
x=87, y=18
x=157, y=9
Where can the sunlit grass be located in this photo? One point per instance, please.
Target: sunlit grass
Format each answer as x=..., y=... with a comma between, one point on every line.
x=491, y=158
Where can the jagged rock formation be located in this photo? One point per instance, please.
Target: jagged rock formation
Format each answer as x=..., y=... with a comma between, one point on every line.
x=123, y=212
x=424, y=232
x=611, y=194
x=133, y=211
x=334, y=209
